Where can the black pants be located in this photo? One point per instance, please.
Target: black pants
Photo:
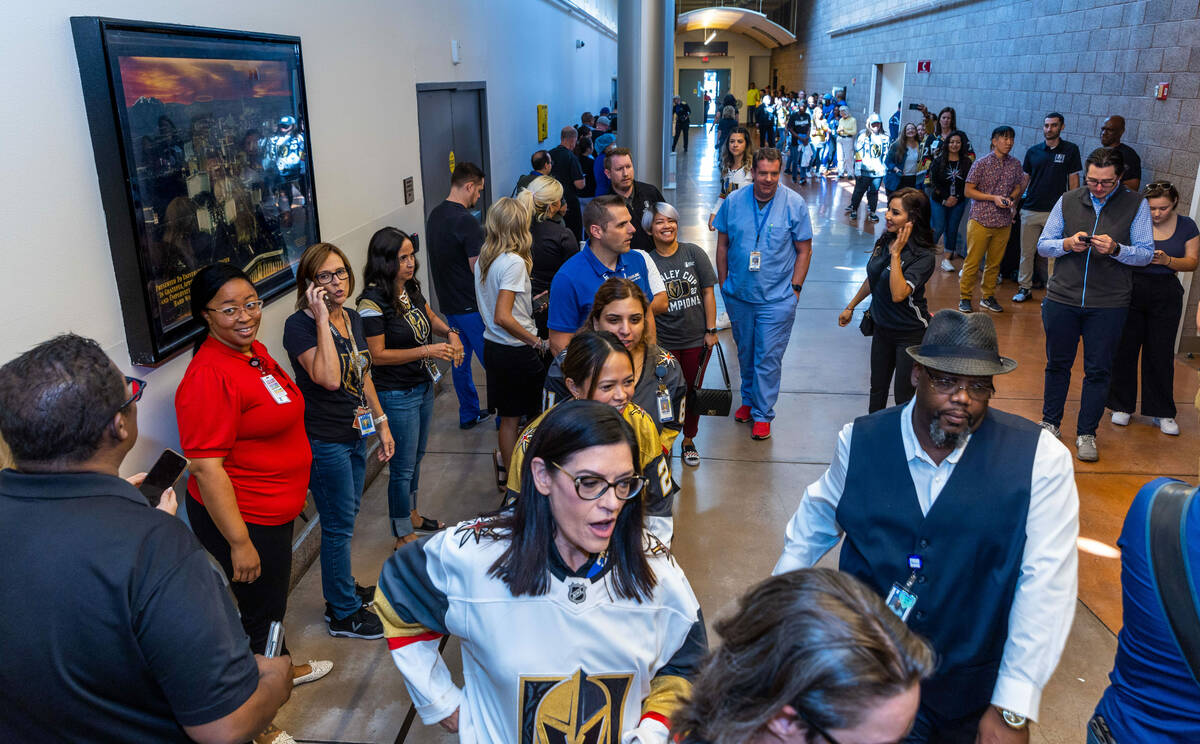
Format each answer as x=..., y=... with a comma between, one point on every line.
x=1100, y=329
x=868, y=185
x=1150, y=326
x=263, y=600
x=932, y=728
x=888, y=356
x=681, y=127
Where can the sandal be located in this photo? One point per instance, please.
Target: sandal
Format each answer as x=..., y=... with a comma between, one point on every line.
x=428, y=525
x=501, y=471
x=690, y=455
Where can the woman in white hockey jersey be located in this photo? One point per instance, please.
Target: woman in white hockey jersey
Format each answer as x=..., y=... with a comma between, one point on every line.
x=576, y=624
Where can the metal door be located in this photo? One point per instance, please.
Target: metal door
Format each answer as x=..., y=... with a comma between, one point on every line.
x=691, y=90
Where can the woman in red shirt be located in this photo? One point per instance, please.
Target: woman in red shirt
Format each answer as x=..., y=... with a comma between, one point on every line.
x=241, y=425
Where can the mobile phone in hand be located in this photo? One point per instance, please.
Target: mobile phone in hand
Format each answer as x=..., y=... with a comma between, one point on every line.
x=914, y=107
x=166, y=471
x=274, y=640
x=1086, y=240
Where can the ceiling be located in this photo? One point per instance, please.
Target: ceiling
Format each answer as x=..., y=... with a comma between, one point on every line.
x=749, y=23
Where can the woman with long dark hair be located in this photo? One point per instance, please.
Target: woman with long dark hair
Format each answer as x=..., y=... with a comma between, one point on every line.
x=399, y=325
x=948, y=201
x=897, y=271
x=903, y=161
x=735, y=167
x=570, y=562
x=241, y=425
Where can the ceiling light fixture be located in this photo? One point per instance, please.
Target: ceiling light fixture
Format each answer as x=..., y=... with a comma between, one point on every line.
x=711, y=35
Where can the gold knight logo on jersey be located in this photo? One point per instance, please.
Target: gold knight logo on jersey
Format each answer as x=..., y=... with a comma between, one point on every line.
x=580, y=709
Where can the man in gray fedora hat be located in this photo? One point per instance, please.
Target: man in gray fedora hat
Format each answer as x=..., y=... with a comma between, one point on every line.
x=965, y=520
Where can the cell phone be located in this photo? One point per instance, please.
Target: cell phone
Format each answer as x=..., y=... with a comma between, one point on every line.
x=274, y=640
x=324, y=297
x=1086, y=239
x=914, y=107
x=166, y=471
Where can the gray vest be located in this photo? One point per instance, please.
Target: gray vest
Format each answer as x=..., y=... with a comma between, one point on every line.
x=1090, y=279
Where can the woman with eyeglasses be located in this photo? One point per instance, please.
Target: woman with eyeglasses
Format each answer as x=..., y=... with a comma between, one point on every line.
x=240, y=425
x=332, y=363
x=810, y=655
x=575, y=625
x=1155, y=309
x=399, y=325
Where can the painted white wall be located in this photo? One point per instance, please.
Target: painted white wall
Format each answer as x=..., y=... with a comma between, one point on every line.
x=741, y=49
x=362, y=60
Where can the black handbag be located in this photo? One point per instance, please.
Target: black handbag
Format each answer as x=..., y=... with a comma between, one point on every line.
x=867, y=324
x=712, y=401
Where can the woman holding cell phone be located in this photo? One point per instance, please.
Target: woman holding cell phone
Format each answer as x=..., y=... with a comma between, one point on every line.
x=332, y=365
x=239, y=417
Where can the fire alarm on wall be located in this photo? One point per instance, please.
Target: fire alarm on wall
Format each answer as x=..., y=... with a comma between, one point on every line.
x=1160, y=91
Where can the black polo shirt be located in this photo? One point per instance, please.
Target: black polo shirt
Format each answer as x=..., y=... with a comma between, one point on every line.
x=1048, y=173
x=115, y=626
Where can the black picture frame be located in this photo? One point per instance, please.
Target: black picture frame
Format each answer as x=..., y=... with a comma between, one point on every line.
x=203, y=154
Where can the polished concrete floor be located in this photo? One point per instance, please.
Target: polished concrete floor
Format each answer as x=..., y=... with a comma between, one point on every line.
x=728, y=536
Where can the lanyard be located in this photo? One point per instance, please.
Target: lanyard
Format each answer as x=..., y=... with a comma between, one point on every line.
x=760, y=218
x=356, y=369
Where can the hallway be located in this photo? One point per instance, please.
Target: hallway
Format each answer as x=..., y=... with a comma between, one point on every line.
x=731, y=510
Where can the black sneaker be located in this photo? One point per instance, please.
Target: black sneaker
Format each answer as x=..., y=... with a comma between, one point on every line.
x=853, y=214
x=483, y=416
x=964, y=306
x=989, y=303
x=360, y=624
x=873, y=217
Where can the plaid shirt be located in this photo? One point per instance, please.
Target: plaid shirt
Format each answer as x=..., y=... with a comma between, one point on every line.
x=1000, y=177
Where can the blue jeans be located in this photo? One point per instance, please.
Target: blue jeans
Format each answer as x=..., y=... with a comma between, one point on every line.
x=946, y=221
x=471, y=325
x=409, y=413
x=795, y=156
x=336, y=482
x=1100, y=328
x=761, y=332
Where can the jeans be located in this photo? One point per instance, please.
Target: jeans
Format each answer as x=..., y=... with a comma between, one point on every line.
x=869, y=185
x=336, y=483
x=471, y=325
x=889, y=356
x=761, y=332
x=814, y=155
x=795, y=156
x=1150, y=326
x=409, y=413
x=1100, y=328
x=946, y=221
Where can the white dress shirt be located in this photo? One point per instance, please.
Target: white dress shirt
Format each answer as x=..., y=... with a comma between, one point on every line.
x=1044, y=604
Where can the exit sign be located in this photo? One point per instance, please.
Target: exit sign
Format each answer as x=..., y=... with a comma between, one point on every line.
x=923, y=65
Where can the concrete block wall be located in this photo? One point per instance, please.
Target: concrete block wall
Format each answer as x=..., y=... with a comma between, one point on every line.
x=1004, y=62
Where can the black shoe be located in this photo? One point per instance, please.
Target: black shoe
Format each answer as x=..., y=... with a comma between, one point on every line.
x=989, y=303
x=483, y=416
x=362, y=623
x=873, y=217
x=964, y=306
x=365, y=594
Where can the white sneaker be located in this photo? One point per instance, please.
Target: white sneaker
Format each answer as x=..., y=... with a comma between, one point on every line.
x=722, y=321
x=319, y=669
x=1167, y=426
x=947, y=266
x=1120, y=418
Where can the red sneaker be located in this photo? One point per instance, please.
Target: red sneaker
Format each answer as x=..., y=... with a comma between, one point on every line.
x=742, y=415
x=761, y=430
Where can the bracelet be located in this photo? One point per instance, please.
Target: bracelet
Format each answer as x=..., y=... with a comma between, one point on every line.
x=381, y=418
x=453, y=330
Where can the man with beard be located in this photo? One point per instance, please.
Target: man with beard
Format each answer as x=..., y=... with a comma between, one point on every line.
x=965, y=520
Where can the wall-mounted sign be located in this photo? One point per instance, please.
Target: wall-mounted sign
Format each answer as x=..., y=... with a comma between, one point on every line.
x=711, y=49
x=408, y=190
x=924, y=65
x=543, y=113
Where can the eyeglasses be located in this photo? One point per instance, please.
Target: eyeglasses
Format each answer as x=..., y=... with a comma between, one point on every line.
x=592, y=487
x=1106, y=183
x=951, y=385
x=326, y=277
x=136, y=388
x=254, y=307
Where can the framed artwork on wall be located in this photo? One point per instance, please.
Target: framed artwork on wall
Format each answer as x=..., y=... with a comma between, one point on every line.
x=203, y=155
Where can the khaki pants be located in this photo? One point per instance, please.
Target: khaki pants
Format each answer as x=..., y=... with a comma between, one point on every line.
x=985, y=245
x=1032, y=224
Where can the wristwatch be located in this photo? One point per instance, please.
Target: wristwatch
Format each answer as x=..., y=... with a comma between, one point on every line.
x=453, y=330
x=1117, y=250
x=1013, y=720
x=797, y=287
x=711, y=330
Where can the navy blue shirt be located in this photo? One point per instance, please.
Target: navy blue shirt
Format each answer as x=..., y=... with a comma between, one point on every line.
x=1049, y=171
x=574, y=286
x=116, y=627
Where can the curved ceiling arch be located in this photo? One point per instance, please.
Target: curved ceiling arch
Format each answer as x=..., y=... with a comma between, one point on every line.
x=740, y=20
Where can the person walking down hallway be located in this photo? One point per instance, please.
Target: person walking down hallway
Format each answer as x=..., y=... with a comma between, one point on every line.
x=993, y=184
x=455, y=238
x=683, y=119
x=1053, y=167
x=764, y=247
x=870, y=149
x=1155, y=308
x=897, y=272
x=933, y=497
x=1097, y=234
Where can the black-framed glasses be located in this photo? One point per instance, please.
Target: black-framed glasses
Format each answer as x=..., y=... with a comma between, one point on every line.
x=254, y=307
x=136, y=388
x=976, y=389
x=820, y=731
x=327, y=277
x=1102, y=183
x=592, y=487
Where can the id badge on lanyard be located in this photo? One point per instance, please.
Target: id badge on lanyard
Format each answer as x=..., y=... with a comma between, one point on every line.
x=901, y=599
x=277, y=391
x=663, y=398
x=761, y=217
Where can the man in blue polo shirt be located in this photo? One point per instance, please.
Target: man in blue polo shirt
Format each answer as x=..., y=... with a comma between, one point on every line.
x=764, y=246
x=609, y=229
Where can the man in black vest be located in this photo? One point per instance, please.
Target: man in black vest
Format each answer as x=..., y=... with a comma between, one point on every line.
x=1096, y=235
x=965, y=520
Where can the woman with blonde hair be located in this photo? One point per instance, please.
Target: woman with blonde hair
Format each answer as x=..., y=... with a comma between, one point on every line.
x=512, y=350
x=552, y=245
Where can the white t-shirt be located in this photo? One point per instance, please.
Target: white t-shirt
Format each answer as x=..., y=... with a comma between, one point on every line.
x=506, y=272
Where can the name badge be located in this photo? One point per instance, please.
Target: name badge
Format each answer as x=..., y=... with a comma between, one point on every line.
x=276, y=390
x=901, y=601
x=1060, y=157
x=435, y=373
x=664, y=405
x=755, y=260
x=364, y=422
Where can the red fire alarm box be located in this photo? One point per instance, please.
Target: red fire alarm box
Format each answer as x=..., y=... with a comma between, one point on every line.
x=1160, y=91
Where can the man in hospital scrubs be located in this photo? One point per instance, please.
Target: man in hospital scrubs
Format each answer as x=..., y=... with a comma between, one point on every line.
x=764, y=246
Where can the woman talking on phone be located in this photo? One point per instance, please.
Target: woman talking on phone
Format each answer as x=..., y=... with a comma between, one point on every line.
x=239, y=417
x=399, y=325
x=328, y=351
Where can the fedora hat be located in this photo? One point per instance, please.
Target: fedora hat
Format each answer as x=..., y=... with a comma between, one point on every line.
x=961, y=344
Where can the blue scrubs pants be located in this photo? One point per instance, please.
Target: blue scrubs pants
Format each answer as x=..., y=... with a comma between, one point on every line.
x=761, y=332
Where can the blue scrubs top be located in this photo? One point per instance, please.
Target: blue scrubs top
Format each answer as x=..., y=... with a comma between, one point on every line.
x=783, y=221
x=574, y=286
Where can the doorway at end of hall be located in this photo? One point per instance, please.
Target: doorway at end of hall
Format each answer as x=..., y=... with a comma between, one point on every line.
x=693, y=84
x=888, y=91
